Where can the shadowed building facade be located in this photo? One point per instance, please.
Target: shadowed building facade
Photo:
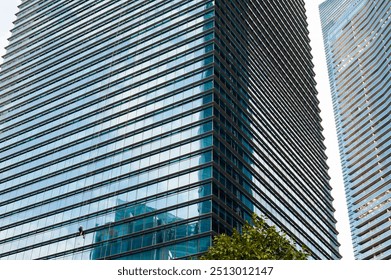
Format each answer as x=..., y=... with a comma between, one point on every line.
x=155, y=125
x=357, y=36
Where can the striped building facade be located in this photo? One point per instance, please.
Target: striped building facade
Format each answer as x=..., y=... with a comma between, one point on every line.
x=357, y=38
x=141, y=129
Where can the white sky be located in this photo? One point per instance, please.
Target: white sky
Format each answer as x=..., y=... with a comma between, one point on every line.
x=8, y=8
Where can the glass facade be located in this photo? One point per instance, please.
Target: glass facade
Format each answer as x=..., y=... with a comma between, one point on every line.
x=357, y=41
x=140, y=129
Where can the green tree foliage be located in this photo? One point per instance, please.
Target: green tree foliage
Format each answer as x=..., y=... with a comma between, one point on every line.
x=256, y=242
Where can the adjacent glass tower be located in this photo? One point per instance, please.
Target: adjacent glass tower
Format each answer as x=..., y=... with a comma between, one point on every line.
x=357, y=36
x=140, y=129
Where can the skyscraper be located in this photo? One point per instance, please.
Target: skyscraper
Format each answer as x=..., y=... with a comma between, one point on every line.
x=140, y=129
x=357, y=42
